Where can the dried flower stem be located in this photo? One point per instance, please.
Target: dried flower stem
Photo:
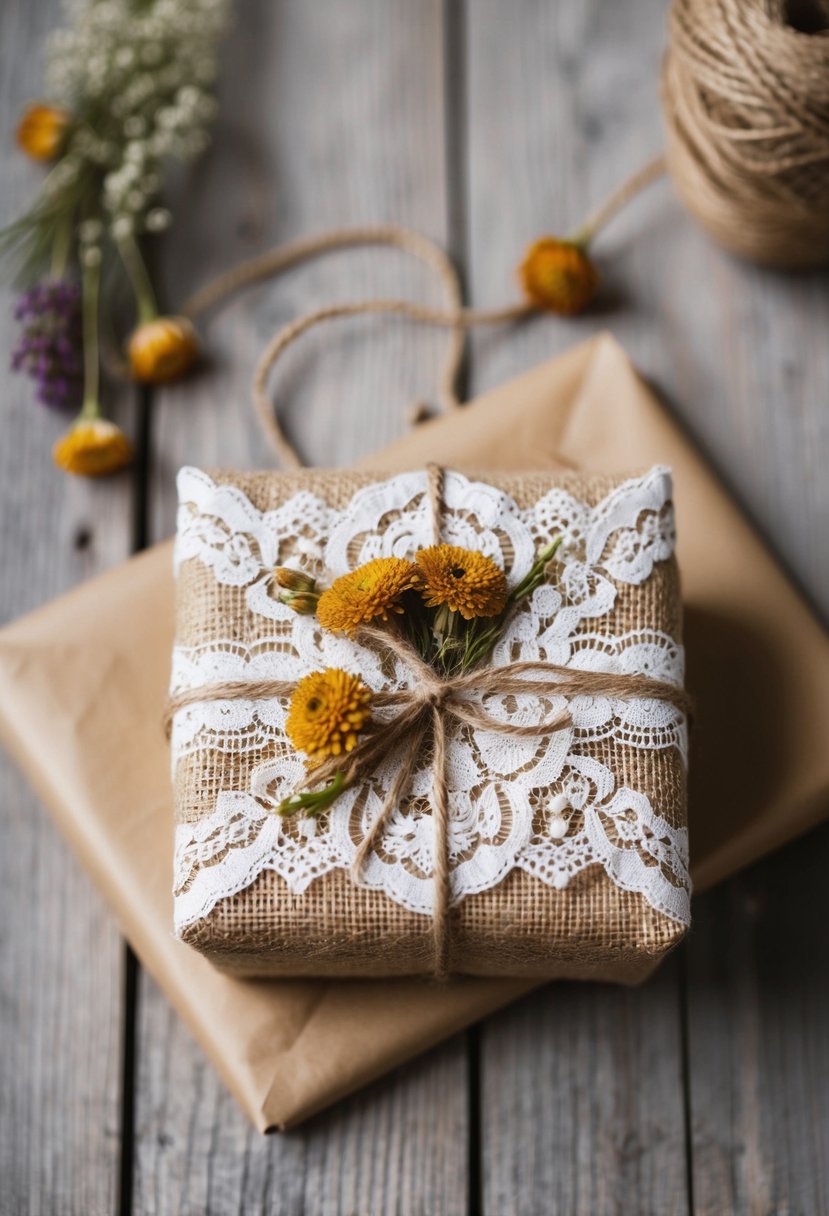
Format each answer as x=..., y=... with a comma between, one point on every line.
x=91, y=283
x=61, y=248
x=139, y=277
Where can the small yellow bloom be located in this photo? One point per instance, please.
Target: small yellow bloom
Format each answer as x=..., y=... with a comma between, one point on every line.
x=294, y=580
x=370, y=592
x=162, y=349
x=303, y=602
x=41, y=131
x=558, y=275
x=462, y=579
x=92, y=448
x=328, y=710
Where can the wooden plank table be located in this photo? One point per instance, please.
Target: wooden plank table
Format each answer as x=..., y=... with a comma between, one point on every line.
x=484, y=124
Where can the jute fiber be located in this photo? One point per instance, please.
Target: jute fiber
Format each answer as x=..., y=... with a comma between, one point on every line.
x=590, y=930
x=745, y=92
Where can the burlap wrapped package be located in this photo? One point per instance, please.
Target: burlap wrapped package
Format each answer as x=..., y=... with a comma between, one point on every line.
x=565, y=855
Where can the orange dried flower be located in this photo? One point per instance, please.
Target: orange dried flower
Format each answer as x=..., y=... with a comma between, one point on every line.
x=92, y=448
x=42, y=130
x=162, y=349
x=463, y=580
x=558, y=275
x=368, y=593
x=328, y=710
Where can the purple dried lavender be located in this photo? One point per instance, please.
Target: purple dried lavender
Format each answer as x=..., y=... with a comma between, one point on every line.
x=50, y=346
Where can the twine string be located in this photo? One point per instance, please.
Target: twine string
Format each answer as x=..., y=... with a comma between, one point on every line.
x=293, y=253
x=453, y=316
x=267, y=265
x=434, y=494
x=457, y=319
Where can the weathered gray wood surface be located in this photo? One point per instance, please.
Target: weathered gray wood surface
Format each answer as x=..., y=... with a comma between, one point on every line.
x=61, y=958
x=483, y=124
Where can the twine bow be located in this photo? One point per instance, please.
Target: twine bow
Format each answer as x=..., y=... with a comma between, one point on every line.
x=424, y=708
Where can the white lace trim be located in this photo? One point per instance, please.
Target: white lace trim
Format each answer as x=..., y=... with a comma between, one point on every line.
x=504, y=792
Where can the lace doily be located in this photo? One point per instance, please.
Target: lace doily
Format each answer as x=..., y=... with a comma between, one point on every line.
x=546, y=805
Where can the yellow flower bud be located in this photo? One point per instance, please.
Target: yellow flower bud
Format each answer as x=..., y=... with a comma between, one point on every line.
x=162, y=349
x=92, y=448
x=303, y=602
x=42, y=130
x=558, y=275
x=294, y=580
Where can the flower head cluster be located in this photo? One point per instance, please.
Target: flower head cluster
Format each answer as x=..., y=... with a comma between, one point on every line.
x=558, y=275
x=328, y=710
x=462, y=580
x=162, y=349
x=366, y=594
x=92, y=447
x=50, y=345
x=42, y=130
x=137, y=80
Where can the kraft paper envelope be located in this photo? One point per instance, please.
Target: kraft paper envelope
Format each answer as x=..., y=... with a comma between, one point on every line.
x=84, y=679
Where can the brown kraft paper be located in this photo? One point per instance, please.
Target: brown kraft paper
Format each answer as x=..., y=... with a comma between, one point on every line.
x=83, y=680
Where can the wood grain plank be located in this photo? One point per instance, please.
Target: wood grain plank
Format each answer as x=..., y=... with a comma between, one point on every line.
x=758, y=966
x=581, y=1102
x=340, y=111
x=397, y=1147
x=60, y=954
x=581, y=1087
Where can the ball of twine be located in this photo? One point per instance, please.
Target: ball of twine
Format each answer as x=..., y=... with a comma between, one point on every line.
x=745, y=91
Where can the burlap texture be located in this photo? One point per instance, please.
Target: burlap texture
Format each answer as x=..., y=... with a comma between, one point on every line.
x=590, y=930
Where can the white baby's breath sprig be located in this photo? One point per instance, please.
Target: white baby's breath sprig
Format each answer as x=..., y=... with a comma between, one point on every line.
x=137, y=78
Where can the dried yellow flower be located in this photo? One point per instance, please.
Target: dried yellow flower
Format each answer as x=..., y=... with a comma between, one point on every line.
x=41, y=131
x=162, y=349
x=463, y=580
x=92, y=447
x=558, y=275
x=370, y=592
x=328, y=710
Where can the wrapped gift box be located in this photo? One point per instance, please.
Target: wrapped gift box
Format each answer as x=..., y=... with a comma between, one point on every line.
x=567, y=853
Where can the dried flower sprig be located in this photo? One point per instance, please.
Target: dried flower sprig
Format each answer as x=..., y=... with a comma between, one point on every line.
x=450, y=603
x=557, y=273
x=328, y=711
x=49, y=348
x=132, y=82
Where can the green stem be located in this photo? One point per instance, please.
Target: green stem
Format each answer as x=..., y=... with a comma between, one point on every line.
x=536, y=573
x=91, y=407
x=313, y=802
x=60, y=249
x=486, y=631
x=139, y=278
